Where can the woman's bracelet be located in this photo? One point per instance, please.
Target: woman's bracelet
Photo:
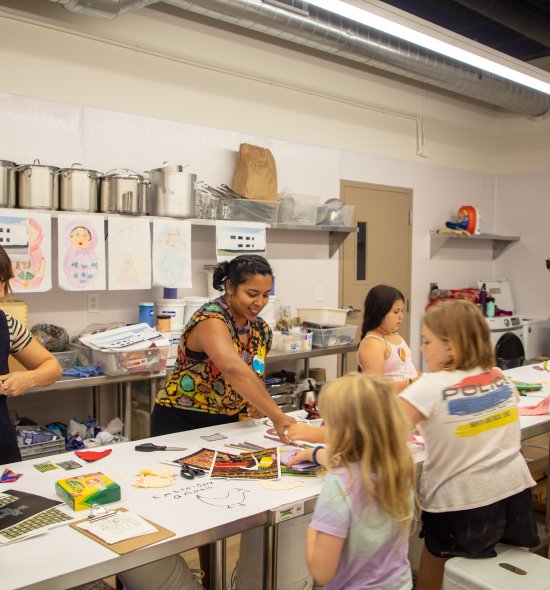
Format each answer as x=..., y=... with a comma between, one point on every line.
x=314, y=455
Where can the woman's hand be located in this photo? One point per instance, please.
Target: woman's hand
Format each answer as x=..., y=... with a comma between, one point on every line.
x=300, y=456
x=281, y=424
x=15, y=383
x=300, y=431
x=254, y=413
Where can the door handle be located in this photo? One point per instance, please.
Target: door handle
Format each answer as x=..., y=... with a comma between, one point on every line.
x=350, y=309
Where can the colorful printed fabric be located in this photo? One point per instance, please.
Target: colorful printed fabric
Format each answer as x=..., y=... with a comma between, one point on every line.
x=196, y=383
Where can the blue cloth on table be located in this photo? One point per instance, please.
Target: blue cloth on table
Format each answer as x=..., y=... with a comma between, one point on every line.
x=78, y=371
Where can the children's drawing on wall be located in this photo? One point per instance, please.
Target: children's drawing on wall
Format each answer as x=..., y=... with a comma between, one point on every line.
x=14, y=235
x=81, y=253
x=34, y=275
x=129, y=253
x=243, y=238
x=172, y=253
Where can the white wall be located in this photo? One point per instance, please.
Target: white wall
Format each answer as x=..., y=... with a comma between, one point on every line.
x=152, y=86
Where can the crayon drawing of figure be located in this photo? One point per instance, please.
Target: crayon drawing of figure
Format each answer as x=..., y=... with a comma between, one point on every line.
x=81, y=263
x=172, y=268
x=28, y=274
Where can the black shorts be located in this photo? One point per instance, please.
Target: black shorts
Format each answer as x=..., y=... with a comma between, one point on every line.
x=475, y=532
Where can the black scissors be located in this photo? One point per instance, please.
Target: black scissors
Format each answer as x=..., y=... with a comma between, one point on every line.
x=189, y=472
x=148, y=447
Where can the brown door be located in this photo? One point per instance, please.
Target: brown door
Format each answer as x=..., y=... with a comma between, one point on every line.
x=380, y=252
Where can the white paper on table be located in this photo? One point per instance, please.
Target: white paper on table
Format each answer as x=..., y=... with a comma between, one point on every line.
x=125, y=339
x=120, y=527
x=129, y=242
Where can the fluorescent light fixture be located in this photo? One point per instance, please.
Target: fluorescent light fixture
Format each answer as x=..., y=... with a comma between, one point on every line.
x=385, y=25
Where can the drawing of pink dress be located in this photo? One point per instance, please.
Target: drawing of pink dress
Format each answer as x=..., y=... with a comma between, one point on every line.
x=81, y=264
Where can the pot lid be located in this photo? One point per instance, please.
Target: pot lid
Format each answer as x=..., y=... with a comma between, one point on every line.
x=166, y=167
x=36, y=164
x=122, y=173
x=77, y=167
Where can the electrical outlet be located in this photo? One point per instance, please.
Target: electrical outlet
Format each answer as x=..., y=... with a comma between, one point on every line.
x=320, y=294
x=93, y=302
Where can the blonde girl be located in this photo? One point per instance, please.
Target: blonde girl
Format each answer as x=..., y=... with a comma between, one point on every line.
x=475, y=484
x=358, y=537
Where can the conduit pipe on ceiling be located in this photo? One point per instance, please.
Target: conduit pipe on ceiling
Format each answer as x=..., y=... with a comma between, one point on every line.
x=330, y=33
x=103, y=8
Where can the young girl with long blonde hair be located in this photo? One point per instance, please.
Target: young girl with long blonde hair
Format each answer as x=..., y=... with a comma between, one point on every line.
x=358, y=537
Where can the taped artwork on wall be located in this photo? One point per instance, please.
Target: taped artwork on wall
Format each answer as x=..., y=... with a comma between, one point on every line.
x=129, y=243
x=34, y=275
x=172, y=253
x=14, y=235
x=81, y=252
x=233, y=239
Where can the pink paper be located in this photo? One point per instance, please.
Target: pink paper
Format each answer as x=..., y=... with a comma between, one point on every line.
x=539, y=410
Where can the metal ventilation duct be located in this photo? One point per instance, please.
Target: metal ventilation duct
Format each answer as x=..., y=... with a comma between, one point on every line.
x=330, y=33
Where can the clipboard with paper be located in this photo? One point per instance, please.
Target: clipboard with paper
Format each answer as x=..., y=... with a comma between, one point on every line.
x=121, y=530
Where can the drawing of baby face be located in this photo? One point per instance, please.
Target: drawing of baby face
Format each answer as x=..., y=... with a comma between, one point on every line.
x=172, y=239
x=80, y=238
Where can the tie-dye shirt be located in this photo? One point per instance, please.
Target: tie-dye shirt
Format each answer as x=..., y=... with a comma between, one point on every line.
x=472, y=438
x=374, y=554
x=196, y=383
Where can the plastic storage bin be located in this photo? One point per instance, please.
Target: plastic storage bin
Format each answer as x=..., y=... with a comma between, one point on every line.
x=67, y=358
x=298, y=209
x=135, y=361
x=249, y=210
x=342, y=215
x=325, y=337
x=286, y=342
x=40, y=449
x=325, y=316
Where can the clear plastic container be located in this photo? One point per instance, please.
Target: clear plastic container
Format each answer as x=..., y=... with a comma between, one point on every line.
x=325, y=316
x=135, y=361
x=333, y=336
x=67, y=358
x=286, y=342
x=298, y=209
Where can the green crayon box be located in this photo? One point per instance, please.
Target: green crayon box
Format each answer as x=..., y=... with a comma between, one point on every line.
x=81, y=491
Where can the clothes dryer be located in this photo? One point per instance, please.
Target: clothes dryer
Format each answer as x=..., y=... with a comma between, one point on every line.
x=506, y=331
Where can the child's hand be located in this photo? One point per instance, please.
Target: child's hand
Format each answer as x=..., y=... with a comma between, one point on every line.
x=300, y=431
x=300, y=456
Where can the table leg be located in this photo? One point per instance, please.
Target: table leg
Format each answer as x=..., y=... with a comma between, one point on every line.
x=269, y=581
x=343, y=364
x=218, y=565
x=128, y=410
x=306, y=368
x=95, y=403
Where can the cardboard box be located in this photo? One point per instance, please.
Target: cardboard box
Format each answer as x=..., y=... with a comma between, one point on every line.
x=82, y=491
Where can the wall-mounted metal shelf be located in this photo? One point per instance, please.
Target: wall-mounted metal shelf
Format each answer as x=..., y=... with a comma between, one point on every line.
x=337, y=233
x=499, y=243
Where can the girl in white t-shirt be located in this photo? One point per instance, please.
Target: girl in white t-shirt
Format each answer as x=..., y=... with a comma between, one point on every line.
x=358, y=536
x=475, y=484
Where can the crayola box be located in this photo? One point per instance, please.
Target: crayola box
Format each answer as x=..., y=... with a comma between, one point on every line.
x=82, y=491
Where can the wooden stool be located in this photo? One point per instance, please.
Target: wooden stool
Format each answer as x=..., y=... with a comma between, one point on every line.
x=509, y=570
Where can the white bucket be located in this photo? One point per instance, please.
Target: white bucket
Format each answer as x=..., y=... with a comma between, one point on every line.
x=191, y=306
x=292, y=571
x=175, y=309
x=173, y=337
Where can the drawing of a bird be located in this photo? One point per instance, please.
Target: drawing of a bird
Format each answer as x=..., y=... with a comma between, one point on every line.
x=234, y=497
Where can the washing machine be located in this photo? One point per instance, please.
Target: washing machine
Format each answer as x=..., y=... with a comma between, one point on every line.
x=506, y=331
x=536, y=336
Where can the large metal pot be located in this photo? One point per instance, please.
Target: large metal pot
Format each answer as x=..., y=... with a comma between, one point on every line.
x=78, y=189
x=37, y=186
x=123, y=192
x=172, y=192
x=7, y=183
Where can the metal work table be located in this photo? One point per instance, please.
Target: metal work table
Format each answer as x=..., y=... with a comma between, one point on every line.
x=276, y=356
x=82, y=560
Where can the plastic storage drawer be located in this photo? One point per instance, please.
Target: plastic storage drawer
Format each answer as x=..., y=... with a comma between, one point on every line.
x=40, y=449
x=333, y=336
x=135, y=361
x=249, y=210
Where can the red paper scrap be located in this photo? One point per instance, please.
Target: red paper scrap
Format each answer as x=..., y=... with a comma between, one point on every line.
x=539, y=410
x=91, y=456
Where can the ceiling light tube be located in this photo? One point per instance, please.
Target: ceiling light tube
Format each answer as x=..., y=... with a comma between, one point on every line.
x=385, y=25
